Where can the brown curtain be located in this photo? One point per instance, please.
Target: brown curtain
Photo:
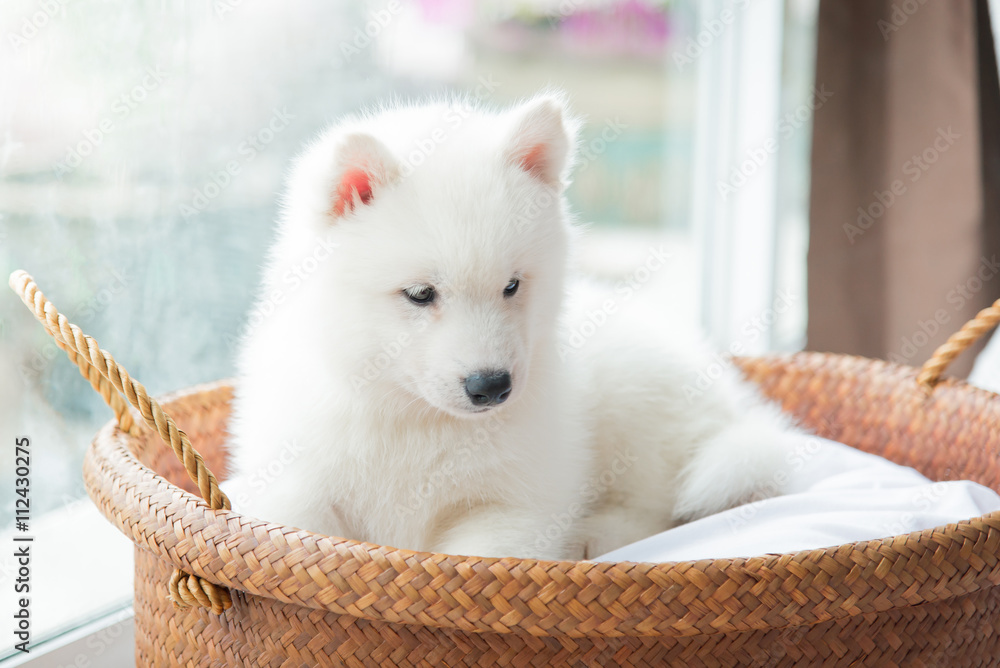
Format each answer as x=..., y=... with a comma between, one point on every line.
x=903, y=211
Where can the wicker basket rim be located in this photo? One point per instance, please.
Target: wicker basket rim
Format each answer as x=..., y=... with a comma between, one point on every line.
x=248, y=555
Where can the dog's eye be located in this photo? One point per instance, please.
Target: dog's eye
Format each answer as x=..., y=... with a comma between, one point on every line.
x=421, y=294
x=511, y=287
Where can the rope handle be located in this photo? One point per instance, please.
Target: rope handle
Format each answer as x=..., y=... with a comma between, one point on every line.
x=112, y=381
x=932, y=370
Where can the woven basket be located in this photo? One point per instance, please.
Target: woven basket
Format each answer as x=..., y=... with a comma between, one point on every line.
x=249, y=593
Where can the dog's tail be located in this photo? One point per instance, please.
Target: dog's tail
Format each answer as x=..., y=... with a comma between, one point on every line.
x=748, y=460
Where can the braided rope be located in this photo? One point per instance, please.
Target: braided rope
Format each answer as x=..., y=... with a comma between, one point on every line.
x=185, y=590
x=102, y=386
x=932, y=370
x=188, y=591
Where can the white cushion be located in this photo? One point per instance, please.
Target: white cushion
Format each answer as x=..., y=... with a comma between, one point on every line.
x=836, y=495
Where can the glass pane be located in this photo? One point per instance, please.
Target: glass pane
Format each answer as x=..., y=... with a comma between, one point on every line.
x=143, y=147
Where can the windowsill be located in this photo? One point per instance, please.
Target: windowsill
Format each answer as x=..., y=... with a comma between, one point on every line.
x=81, y=567
x=107, y=641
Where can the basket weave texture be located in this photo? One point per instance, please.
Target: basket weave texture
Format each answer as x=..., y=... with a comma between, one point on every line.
x=929, y=598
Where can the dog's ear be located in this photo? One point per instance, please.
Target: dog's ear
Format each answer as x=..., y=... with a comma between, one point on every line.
x=363, y=166
x=542, y=140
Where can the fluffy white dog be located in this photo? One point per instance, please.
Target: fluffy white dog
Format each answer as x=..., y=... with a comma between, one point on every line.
x=409, y=382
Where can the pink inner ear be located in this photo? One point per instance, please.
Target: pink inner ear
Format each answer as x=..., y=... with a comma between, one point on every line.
x=535, y=161
x=353, y=181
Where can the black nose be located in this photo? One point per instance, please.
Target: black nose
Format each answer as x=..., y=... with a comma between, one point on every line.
x=488, y=388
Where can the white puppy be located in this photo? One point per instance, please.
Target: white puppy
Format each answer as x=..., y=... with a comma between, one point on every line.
x=408, y=384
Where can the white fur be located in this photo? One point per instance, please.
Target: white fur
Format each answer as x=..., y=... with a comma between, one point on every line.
x=350, y=415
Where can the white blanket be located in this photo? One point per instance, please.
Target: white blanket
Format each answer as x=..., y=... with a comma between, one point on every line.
x=837, y=495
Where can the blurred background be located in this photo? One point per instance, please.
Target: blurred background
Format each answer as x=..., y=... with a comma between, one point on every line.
x=143, y=146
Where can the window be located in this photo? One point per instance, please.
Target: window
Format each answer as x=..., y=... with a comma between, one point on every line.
x=142, y=148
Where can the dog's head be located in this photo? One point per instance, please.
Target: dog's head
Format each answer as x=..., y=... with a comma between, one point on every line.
x=450, y=234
